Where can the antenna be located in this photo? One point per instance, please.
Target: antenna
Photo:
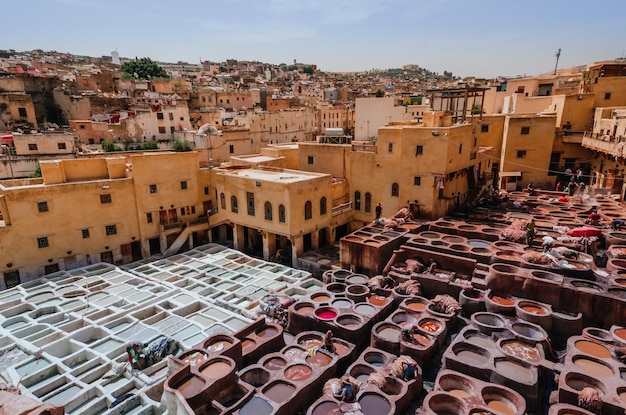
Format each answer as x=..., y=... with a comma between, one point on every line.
x=558, y=54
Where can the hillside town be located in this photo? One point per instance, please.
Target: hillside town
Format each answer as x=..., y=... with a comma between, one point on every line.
x=242, y=237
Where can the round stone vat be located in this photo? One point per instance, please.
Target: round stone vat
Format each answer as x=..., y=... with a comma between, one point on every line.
x=457, y=385
x=326, y=313
x=247, y=345
x=618, y=292
x=321, y=297
x=578, y=381
x=275, y=363
x=279, y=391
x=535, y=312
x=460, y=247
x=336, y=287
x=597, y=334
x=361, y=372
x=255, y=376
x=442, y=403
x=488, y=322
x=592, y=349
x=587, y=286
x=256, y=406
x=417, y=303
x=378, y=300
x=499, y=304
x=326, y=408
x=430, y=235
x=503, y=400
x=471, y=355
x=357, y=279
x=309, y=340
x=432, y=326
x=402, y=318
x=528, y=332
x=342, y=303
x=304, y=307
x=592, y=367
x=393, y=386
x=216, y=368
x=366, y=310
x=453, y=239
x=319, y=359
x=373, y=403
x=267, y=332
x=357, y=292
x=521, y=350
x=517, y=370
x=375, y=358
x=545, y=275
x=350, y=321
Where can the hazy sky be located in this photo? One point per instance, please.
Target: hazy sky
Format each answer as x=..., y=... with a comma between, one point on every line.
x=481, y=37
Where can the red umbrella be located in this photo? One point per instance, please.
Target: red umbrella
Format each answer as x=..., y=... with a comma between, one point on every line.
x=585, y=231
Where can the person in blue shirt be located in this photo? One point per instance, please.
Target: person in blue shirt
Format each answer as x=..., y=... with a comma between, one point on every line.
x=347, y=390
x=410, y=372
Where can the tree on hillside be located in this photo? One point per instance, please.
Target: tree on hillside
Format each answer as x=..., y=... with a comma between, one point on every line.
x=144, y=68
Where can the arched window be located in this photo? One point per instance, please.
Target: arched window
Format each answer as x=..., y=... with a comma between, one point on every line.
x=308, y=210
x=395, y=190
x=368, y=202
x=234, y=207
x=281, y=214
x=323, y=209
x=357, y=200
x=268, y=211
x=223, y=201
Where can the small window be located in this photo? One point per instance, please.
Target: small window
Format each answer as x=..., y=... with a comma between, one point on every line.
x=92, y=141
x=193, y=210
x=42, y=242
x=171, y=116
x=368, y=202
x=182, y=118
x=234, y=206
x=268, y=211
x=607, y=95
x=61, y=146
x=525, y=130
x=460, y=148
x=159, y=115
x=182, y=211
x=323, y=207
x=484, y=128
x=206, y=190
x=309, y=159
x=172, y=129
x=82, y=127
x=42, y=206
x=357, y=200
x=183, y=185
x=419, y=150
x=32, y=147
x=250, y=203
x=85, y=233
x=149, y=217
x=308, y=210
x=222, y=201
x=390, y=147
x=231, y=148
x=161, y=130
x=153, y=188
x=105, y=198
x=417, y=181
x=521, y=154
x=110, y=229
x=281, y=214
x=22, y=112
x=395, y=190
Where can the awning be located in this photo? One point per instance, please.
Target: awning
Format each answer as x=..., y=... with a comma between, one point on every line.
x=510, y=174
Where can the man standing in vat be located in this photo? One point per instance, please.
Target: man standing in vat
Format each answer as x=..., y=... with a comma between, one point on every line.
x=530, y=232
x=410, y=371
x=379, y=211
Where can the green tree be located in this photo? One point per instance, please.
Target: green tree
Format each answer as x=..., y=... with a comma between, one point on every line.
x=380, y=93
x=144, y=68
x=110, y=147
x=308, y=69
x=149, y=145
x=179, y=145
x=37, y=172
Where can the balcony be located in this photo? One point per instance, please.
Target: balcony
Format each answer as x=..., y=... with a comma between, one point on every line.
x=345, y=207
x=368, y=147
x=604, y=143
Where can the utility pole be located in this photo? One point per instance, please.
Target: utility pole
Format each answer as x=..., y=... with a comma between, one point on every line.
x=558, y=54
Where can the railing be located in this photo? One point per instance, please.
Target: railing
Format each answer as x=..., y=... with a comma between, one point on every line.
x=199, y=221
x=168, y=226
x=367, y=147
x=338, y=210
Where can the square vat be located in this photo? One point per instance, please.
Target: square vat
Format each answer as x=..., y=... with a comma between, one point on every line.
x=73, y=305
x=116, y=384
x=186, y=331
x=63, y=348
x=72, y=326
x=109, y=347
x=29, y=330
x=120, y=324
x=85, y=400
x=184, y=299
x=43, y=312
x=42, y=333
x=98, y=315
x=15, y=323
x=217, y=329
x=41, y=341
x=90, y=335
x=147, y=312
x=191, y=308
x=32, y=366
x=17, y=309
x=79, y=358
x=156, y=318
x=41, y=379
x=215, y=313
x=63, y=395
x=56, y=319
x=202, y=319
x=193, y=340
x=91, y=370
x=167, y=322
x=236, y=323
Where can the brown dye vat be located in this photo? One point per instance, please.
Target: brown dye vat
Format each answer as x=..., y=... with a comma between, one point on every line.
x=305, y=309
x=391, y=334
x=621, y=333
x=256, y=406
x=502, y=300
x=318, y=360
x=372, y=404
x=215, y=370
x=593, y=368
x=522, y=351
x=321, y=298
x=593, y=349
x=308, y=343
x=378, y=300
x=267, y=332
x=349, y=321
x=472, y=358
x=218, y=346
x=501, y=406
x=417, y=306
x=247, y=345
x=514, y=371
x=459, y=393
x=279, y=392
x=534, y=310
x=275, y=364
x=326, y=408
x=430, y=326
x=341, y=349
x=298, y=372
x=294, y=353
x=191, y=387
x=622, y=396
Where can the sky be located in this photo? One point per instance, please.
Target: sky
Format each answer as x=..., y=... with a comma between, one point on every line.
x=483, y=38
